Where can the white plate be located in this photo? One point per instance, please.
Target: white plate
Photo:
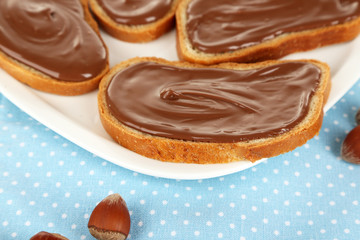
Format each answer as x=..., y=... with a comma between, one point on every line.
x=76, y=118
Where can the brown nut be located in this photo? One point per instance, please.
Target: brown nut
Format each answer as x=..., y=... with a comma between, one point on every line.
x=110, y=219
x=357, y=117
x=350, y=149
x=47, y=236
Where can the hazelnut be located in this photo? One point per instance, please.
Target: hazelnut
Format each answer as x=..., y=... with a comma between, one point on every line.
x=350, y=150
x=357, y=117
x=47, y=236
x=110, y=219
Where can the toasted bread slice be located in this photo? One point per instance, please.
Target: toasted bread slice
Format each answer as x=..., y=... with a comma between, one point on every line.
x=181, y=150
x=40, y=80
x=272, y=45
x=136, y=33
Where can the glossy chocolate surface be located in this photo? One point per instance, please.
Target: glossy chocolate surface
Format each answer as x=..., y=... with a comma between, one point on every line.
x=221, y=26
x=212, y=104
x=135, y=12
x=51, y=37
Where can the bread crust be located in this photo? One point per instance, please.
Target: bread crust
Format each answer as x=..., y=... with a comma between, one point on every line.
x=273, y=49
x=179, y=151
x=43, y=82
x=135, y=34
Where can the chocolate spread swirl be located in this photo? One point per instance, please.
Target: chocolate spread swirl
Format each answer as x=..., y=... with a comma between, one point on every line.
x=51, y=37
x=212, y=104
x=215, y=26
x=135, y=12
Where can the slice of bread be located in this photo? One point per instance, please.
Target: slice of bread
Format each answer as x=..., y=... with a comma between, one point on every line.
x=273, y=48
x=43, y=82
x=187, y=151
x=135, y=33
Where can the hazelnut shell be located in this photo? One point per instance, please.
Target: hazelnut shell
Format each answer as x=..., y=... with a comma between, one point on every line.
x=47, y=236
x=110, y=219
x=357, y=117
x=350, y=149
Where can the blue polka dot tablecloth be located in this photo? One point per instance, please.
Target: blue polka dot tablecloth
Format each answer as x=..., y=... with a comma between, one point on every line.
x=50, y=184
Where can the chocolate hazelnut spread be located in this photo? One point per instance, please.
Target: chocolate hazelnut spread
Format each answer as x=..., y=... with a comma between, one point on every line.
x=51, y=37
x=215, y=26
x=130, y=12
x=212, y=104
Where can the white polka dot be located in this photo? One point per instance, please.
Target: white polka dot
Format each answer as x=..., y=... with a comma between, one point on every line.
x=173, y=233
x=50, y=224
x=253, y=229
x=150, y=234
x=243, y=217
x=276, y=233
x=186, y=222
x=142, y=201
x=299, y=233
x=310, y=222
x=265, y=220
x=77, y=205
x=5, y=223
x=287, y=223
x=220, y=235
x=27, y=223
x=232, y=226
x=82, y=237
x=334, y=221
x=14, y=234
x=220, y=214
x=140, y=224
x=152, y=212
x=18, y=212
x=162, y=222
x=63, y=216
x=208, y=223
x=322, y=231
x=196, y=233
x=9, y=202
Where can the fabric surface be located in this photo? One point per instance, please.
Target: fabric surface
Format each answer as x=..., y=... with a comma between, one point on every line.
x=50, y=184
